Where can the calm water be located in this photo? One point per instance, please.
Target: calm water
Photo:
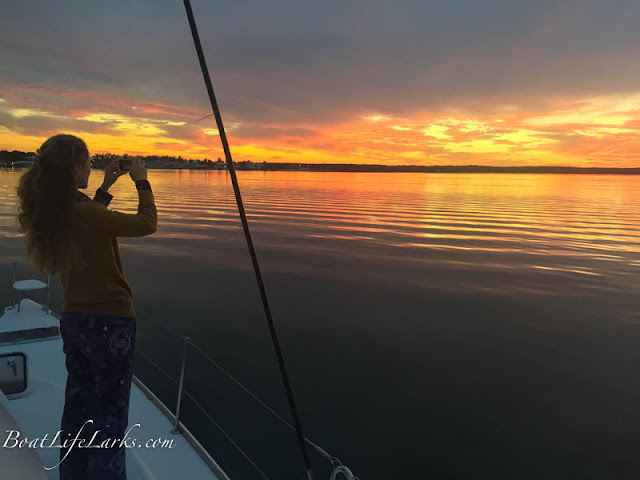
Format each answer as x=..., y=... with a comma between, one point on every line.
x=463, y=326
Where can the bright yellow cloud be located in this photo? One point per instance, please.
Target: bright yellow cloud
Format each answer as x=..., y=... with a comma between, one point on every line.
x=473, y=126
x=592, y=131
x=436, y=131
x=27, y=112
x=477, y=146
x=524, y=137
x=605, y=110
x=132, y=125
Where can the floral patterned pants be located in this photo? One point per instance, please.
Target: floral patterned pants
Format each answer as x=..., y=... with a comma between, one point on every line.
x=99, y=358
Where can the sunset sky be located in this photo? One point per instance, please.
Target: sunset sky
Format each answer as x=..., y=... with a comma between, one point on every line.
x=424, y=82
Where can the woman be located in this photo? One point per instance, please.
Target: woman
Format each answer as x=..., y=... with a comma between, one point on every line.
x=68, y=233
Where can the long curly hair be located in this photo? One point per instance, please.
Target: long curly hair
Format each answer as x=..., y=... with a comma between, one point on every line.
x=46, y=192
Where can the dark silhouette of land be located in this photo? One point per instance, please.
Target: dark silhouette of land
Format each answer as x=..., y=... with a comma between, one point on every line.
x=18, y=159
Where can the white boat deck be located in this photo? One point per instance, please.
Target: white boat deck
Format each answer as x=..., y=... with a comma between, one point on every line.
x=40, y=411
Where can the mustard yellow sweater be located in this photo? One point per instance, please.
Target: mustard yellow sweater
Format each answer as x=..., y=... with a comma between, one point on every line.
x=101, y=287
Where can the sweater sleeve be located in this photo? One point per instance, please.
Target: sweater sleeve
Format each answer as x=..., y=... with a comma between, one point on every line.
x=119, y=224
x=102, y=197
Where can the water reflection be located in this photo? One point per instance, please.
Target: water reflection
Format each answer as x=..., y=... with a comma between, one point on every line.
x=587, y=225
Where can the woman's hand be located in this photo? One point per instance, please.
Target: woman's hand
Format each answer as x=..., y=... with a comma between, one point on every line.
x=138, y=170
x=111, y=174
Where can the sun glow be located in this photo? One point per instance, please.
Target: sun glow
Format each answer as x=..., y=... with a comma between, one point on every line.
x=589, y=131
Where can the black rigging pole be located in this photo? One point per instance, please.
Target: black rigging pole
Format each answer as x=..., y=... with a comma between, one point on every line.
x=247, y=234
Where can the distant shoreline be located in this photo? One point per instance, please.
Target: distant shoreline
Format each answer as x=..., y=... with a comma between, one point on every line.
x=449, y=169
x=17, y=159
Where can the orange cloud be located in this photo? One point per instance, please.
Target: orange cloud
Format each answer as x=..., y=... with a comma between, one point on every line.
x=590, y=131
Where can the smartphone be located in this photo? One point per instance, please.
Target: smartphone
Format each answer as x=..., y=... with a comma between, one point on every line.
x=125, y=163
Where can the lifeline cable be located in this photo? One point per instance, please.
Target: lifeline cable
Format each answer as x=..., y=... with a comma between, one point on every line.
x=247, y=234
